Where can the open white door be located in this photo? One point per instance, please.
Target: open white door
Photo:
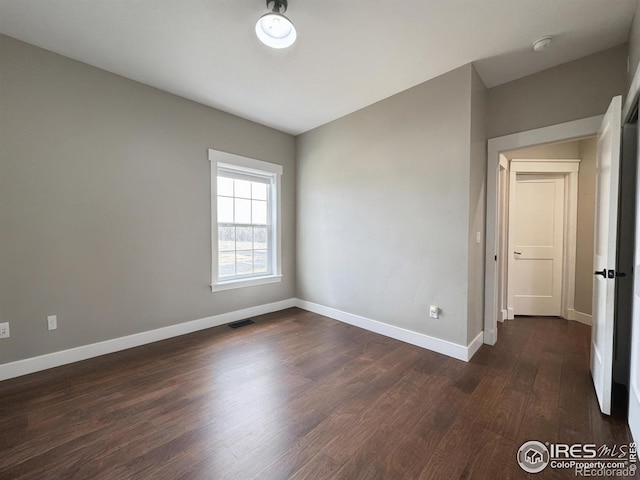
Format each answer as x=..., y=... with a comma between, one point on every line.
x=604, y=261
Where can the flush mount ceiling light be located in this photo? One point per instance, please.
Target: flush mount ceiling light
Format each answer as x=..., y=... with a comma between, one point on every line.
x=541, y=44
x=273, y=28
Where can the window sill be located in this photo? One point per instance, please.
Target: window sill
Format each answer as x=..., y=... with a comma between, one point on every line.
x=245, y=282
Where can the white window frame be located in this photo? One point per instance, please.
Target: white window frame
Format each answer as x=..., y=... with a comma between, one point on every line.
x=249, y=166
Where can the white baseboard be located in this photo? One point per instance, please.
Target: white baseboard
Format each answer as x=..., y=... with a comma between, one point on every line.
x=84, y=352
x=504, y=315
x=510, y=313
x=579, y=316
x=420, y=339
x=474, y=346
x=55, y=359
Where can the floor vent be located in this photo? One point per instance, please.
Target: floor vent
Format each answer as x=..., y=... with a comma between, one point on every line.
x=241, y=323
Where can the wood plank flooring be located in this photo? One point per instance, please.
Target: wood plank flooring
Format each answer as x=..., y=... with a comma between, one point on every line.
x=300, y=396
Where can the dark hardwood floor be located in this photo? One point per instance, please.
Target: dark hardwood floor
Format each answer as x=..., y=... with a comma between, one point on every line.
x=297, y=395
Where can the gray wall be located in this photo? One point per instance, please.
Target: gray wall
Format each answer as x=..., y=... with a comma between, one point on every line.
x=579, y=89
x=562, y=150
x=477, y=201
x=104, y=204
x=586, y=219
x=383, y=200
x=585, y=150
x=634, y=45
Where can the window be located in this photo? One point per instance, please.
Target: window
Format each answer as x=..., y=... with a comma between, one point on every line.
x=245, y=212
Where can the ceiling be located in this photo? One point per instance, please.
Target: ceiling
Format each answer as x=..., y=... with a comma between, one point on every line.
x=349, y=53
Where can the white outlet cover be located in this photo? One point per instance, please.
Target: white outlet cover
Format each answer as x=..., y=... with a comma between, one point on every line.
x=52, y=322
x=4, y=330
x=433, y=311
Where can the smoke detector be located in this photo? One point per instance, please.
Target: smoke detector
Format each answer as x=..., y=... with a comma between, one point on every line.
x=541, y=44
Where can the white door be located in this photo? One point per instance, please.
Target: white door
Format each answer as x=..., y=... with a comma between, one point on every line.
x=604, y=257
x=536, y=238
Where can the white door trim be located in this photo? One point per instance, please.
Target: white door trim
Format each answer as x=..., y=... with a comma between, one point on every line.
x=632, y=97
x=564, y=131
x=568, y=168
x=503, y=239
x=634, y=395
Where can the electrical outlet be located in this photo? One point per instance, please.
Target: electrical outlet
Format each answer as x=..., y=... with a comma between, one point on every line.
x=52, y=322
x=4, y=330
x=434, y=311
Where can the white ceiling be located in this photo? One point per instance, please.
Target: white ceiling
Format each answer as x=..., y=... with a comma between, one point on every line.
x=349, y=53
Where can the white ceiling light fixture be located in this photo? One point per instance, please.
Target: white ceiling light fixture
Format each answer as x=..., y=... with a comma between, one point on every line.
x=541, y=44
x=273, y=28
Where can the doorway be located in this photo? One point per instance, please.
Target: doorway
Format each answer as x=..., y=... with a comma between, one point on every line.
x=545, y=230
x=495, y=258
x=609, y=131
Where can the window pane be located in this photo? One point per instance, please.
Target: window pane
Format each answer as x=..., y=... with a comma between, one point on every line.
x=244, y=240
x=225, y=210
x=226, y=238
x=226, y=264
x=244, y=262
x=245, y=235
x=259, y=212
x=225, y=186
x=260, y=235
x=259, y=191
x=260, y=261
x=243, y=211
x=243, y=188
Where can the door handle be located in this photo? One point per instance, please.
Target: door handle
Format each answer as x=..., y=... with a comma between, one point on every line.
x=517, y=253
x=610, y=273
